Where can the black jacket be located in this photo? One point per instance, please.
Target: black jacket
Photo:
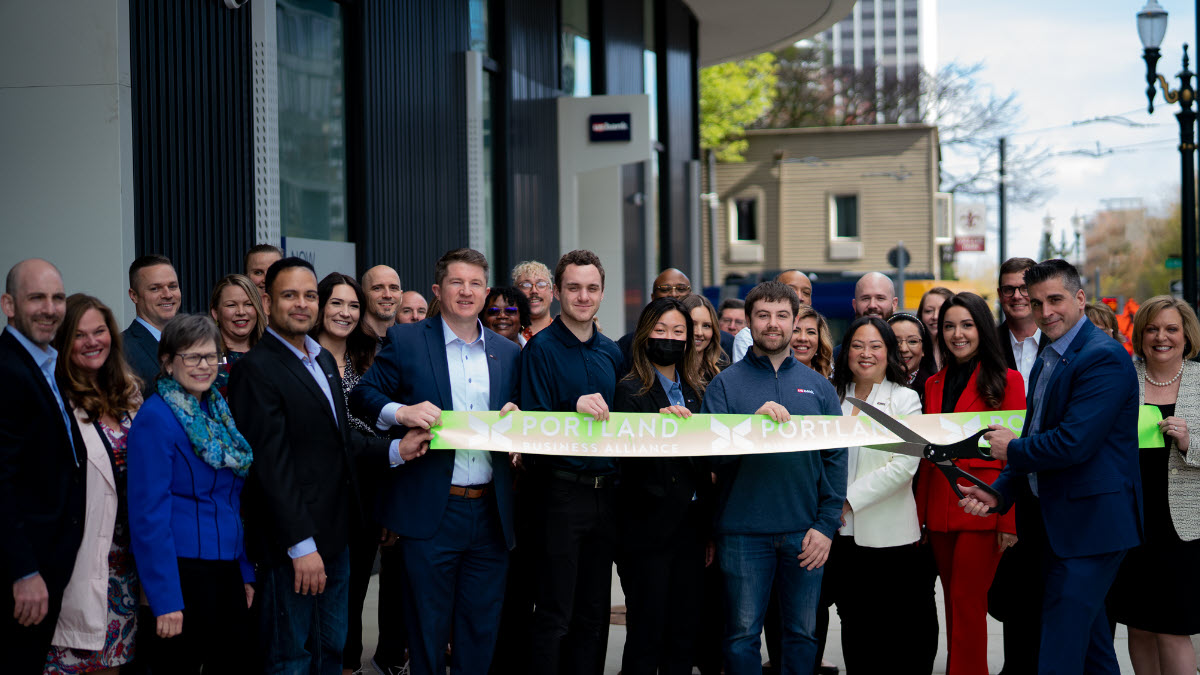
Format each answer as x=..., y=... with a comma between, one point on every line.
x=303, y=481
x=41, y=484
x=1006, y=344
x=655, y=494
x=141, y=352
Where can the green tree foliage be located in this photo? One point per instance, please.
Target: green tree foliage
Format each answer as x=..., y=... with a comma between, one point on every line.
x=732, y=97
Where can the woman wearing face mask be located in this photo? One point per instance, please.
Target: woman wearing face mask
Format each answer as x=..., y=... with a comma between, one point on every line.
x=880, y=514
x=967, y=548
x=664, y=503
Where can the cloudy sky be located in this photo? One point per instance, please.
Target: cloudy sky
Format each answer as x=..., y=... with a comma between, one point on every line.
x=1071, y=61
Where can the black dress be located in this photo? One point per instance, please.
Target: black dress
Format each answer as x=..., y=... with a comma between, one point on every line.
x=1148, y=593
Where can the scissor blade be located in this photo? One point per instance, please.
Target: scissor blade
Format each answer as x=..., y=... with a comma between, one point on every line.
x=910, y=449
x=890, y=423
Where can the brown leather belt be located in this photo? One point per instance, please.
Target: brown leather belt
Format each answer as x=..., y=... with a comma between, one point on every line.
x=470, y=492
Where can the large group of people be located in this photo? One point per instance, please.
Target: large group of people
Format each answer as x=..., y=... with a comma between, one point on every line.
x=209, y=492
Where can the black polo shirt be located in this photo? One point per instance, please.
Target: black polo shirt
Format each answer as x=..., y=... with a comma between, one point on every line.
x=556, y=369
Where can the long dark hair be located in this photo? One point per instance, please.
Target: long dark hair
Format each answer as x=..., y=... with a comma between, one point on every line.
x=993, y=371
x=360, y=345
x=927, y=362
x=713, y=360
x=895, y=367
x=642, y=370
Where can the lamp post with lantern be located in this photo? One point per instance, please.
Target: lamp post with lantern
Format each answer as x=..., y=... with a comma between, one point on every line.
x=1152, y=27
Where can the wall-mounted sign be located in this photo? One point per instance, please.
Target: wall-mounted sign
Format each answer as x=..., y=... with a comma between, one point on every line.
x=609, y=128
x=325, y=256
x=970, y=226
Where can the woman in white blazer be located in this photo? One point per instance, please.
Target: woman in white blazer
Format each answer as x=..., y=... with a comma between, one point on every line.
x=872, y=570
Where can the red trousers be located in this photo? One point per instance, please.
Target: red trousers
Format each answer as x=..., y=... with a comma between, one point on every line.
x=966, y=562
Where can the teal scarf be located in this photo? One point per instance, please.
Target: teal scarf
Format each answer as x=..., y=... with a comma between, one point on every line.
x=215, y=440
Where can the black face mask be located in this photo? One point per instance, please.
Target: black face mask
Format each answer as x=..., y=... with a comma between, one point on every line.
x=664, y=352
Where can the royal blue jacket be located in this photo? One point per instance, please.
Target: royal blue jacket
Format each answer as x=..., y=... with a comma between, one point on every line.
x=779, y=492
x=179, y=507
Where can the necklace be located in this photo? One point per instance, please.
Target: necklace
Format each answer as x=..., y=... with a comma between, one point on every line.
x=1168, y=382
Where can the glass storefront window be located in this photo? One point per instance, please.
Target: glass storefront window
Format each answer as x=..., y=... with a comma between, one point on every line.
x=576, y=49
x=312, y=120
x=479, y=26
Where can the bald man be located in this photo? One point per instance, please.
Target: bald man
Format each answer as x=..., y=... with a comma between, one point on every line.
x=382, y=286
x=413, y=308
x=41, y=476
x=800, y=283
x=875, y=295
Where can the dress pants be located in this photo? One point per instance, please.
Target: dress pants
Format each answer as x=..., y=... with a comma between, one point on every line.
x=574, y=594
x=709, y=658
x=216, y=624
x=664, y=593
x=1076, y=637
x=364, y=545
x=878, y=606
x=456, y=588
x=305, y=634
x=751, y=563
x=1016, y=594
x=516, y=617
x=25, y=648
x=967, y=563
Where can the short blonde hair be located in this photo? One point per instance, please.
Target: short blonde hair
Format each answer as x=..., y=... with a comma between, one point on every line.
x=1151, y=308
x=531, y=268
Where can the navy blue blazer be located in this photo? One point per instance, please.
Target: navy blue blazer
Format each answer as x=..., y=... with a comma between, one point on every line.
x=42, y=490
x=1086, y=455
x=411, y=368
x=141, y=352
x=179, y=506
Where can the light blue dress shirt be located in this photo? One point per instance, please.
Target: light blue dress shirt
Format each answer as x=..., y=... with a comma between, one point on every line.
x=470, y=389
x=1051, y=356
x=45, y=360
x=308, y=358
x=150, y=327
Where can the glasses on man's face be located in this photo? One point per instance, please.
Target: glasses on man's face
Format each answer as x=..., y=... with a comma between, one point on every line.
x=912, y=343
x=678, y=288
x=530, y=285
x=193, y=360
x=1009, y=291
x=495, y=311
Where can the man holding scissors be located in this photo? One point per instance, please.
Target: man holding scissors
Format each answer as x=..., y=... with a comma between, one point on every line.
x=1078, y=453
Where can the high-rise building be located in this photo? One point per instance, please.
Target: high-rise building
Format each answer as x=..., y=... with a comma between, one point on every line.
x=896, y=39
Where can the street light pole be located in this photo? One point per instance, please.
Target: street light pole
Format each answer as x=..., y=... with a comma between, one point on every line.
x=1152, y=26
x=1003, y=227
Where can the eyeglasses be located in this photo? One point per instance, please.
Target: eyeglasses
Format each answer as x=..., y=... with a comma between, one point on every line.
x=530, y=285
x=193, y=360
x=913, y=343
x=1009, y=291
x=678, y=288
x=493, y=311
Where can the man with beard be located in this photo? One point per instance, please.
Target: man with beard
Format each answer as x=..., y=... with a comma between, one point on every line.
x=41, y=477
x=533, y=279
x=301, y=499
x=795, y=279
x=776, y=513
x=154, y=290
x=382, y=286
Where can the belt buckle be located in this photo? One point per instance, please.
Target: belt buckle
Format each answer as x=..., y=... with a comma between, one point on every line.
x=597, y=482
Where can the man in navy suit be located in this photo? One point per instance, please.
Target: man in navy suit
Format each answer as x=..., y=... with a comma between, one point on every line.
x=452, y=509
x=1078, y=453
x=41, y=478
x=154, y=290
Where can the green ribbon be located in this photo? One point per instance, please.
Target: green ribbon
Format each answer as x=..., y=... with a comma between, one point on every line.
x=1149, y=436
x=659, y=435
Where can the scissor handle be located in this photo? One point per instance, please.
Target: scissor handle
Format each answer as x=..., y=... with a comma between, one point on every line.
x=967, y=448
x=953, y=473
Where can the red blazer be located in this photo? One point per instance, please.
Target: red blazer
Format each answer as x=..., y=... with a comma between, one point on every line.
x=937, y=505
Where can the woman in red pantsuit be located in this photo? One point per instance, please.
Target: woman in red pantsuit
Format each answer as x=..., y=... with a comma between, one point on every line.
x=967, y=548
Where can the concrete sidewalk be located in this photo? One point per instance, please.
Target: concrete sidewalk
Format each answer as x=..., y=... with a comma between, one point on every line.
x=833, y=650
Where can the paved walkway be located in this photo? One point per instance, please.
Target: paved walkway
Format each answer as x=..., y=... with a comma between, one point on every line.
x=833, y=651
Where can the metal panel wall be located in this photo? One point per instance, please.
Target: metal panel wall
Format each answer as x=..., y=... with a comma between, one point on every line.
x=406, y=149
x=678, y=128
x=529, y=70
x=622, y=41
x=193, y=138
